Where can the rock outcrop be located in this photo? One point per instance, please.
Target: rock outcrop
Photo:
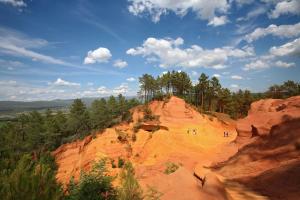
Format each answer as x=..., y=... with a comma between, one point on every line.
x=184, y=137
x=268, y=162
x=264, y=114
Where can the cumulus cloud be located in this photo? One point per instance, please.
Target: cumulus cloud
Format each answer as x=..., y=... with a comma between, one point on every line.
x=218, y=21
x=120, y=63
x=99, y=55
x=256, y=65
x=204, y=9
x=234, y=86
x=265, y=62
x=289, y=49
x=131, y=79
x=286, y=7
x=122, y=89
x=216, y=75
x=236, y=77
x=61, y=82
x=282, y=64
x=17, y=44
x=15, y=3
x=282, y=31
x=168, y=53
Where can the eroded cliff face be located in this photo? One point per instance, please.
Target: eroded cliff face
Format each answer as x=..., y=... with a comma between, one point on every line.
x=268, y=162
x=233, y=167
x=185, y=137
x=264, y=114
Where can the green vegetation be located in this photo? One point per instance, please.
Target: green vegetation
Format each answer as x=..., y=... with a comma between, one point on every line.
x=130, y=188
x=95, y=185
x=27, y=170
x=30, y=179
x=121, y=162
x=148, y=115
x=171, y=168
x=208, y=94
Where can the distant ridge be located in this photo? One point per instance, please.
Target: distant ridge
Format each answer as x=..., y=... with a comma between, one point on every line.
x=10, y=108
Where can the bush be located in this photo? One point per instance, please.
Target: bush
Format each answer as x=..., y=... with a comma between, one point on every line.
x=171, y=168
x=130, y=188
x=113, y=165
x=148, y=116
x=96, y=185
x=137, y=127
x=152, y=194
x=121, y=162
x=122, y=136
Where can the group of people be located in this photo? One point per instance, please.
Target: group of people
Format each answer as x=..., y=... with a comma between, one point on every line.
x=193, y=131
x=226, y=134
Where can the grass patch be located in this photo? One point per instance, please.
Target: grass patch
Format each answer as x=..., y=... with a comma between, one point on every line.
x=171, y=168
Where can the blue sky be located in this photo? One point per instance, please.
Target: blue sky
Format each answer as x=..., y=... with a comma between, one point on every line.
x=63, y=49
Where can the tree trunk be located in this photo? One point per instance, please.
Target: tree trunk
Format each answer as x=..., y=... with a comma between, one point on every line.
x=202, y=99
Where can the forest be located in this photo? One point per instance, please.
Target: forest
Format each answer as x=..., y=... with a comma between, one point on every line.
x=27, y=169
x=207, y=94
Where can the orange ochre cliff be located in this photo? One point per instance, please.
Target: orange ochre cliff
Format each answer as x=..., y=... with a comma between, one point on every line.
x=260, y=154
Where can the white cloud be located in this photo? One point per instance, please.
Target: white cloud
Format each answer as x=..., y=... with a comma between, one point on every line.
x=15, y=3
x=61, y=82
x=120, y=63
x=168, y=53
x=286, y=7
x=236, y=77
x=22, y=91
x=18, y=44
x=243, y=2
x=155, y=8
x=234, y=86
x=282, y=64
x=256, y=65
x=267, y=61
x=216, y=75
x=288, y=49
x=99, y=55
x=102, y=90
x=122, y=89
x=131, y=79
x=257, y=11
x=218, y=21
x=282, y=31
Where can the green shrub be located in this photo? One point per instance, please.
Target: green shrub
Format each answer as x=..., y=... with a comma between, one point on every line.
x=152, y=194
x=148, y=116
x=96, y=185
x=130, y=188
x=137, y=127
x=171, y=168
x=121, y=162
x=113, y=165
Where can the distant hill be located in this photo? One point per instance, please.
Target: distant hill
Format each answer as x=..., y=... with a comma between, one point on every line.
x=9, y=109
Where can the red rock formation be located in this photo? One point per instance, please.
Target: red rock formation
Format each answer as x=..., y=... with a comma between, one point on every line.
x=264, y=114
